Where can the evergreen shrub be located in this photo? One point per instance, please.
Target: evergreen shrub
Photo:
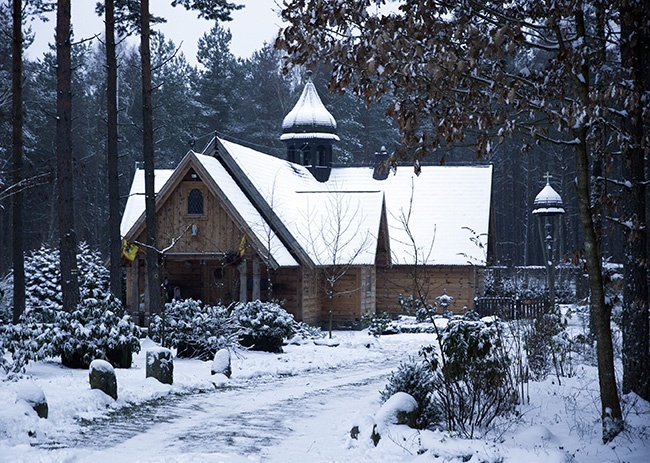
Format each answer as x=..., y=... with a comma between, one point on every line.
x=196, y=331
x=377, y=324
x=548, y=345
x=417, y=380
x=464, y=383
x=263, y=325
x=473, y=377
x=98, y=329
x=416, y=307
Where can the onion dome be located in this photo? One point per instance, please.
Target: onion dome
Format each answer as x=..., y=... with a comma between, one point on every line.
x=548, y=201
x=309, y=119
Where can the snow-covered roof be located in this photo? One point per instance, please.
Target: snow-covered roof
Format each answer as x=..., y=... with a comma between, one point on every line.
x=258, y=225
x=449, y=216
x=222, y=180
x=309, y=116
x=440, y=217
x=548, y=202
x=309, y=209
x=135, y=202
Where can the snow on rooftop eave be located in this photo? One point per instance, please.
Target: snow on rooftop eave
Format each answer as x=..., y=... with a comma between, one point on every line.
x=554, y=210
x=133, y=214
x=309, y=135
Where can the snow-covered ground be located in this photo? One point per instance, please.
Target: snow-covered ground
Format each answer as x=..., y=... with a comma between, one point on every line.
x=297, y=406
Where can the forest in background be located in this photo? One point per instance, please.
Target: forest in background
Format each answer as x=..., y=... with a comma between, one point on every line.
x=242, y=100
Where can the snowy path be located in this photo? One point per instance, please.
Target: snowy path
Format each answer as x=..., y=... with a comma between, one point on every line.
x=264, y=419
x=288, y=408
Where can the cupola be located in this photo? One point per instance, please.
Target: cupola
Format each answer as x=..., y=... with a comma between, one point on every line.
x=308, y=131
x=548, y=201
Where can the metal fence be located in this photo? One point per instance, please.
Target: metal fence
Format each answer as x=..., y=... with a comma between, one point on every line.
x=510, y=308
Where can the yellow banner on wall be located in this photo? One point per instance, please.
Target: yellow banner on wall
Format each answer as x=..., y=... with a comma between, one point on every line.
x=129, y=250
x=242, y=246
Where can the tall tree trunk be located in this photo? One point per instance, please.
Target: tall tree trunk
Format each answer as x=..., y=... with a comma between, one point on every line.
x=612, y=418
x=65, y=165
x=17, y=244
x=611, y=415
x=114, y=216
x=634, y=56
x=153, y=275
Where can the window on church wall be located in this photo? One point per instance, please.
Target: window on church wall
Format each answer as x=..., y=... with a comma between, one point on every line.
x=306, y=156
x=320, y=160
x=195, y=202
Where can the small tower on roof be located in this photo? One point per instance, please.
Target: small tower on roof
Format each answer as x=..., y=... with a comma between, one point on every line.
x=309, y=130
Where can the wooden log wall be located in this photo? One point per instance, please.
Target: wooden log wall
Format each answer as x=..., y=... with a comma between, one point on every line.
x=347, y=301
x=285, y=288
x=458, y=281
x=216, y=231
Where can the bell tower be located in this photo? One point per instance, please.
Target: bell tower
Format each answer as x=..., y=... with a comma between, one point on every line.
x=308, y=131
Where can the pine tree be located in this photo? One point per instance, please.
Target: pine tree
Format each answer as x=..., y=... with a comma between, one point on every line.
x=65, y=167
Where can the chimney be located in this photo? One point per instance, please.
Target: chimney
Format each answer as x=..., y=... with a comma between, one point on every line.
x=380, y=165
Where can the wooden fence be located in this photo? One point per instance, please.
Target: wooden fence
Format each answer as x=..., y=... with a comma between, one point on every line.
x=510, y=308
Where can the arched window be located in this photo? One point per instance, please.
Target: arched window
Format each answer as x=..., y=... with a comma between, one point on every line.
x=306, y=155
x=195, y=202
x=321, y=156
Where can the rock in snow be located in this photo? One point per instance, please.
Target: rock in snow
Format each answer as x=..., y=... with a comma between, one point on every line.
x=221, y=363
x=34, y=396
x=160, y=365
x=399, y=409
x=102, y=377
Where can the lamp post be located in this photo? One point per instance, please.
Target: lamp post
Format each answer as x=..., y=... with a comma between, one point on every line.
x=548, y=209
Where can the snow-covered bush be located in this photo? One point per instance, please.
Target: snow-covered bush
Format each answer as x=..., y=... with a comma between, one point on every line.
x=6, y=299
x=472, y=378
x=43, y=284
x=264, y=325
x=28, y=341
x=548, y=345
x=97, y=329
x=377, y=324
x=196, y=331
x=416, y=307
x=417, y=380
x=303, y=331
x=43, y=297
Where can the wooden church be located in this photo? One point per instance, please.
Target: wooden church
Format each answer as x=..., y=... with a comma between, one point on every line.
x=239, y=225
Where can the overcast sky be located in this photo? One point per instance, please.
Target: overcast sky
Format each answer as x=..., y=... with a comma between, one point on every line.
x=258, y=22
